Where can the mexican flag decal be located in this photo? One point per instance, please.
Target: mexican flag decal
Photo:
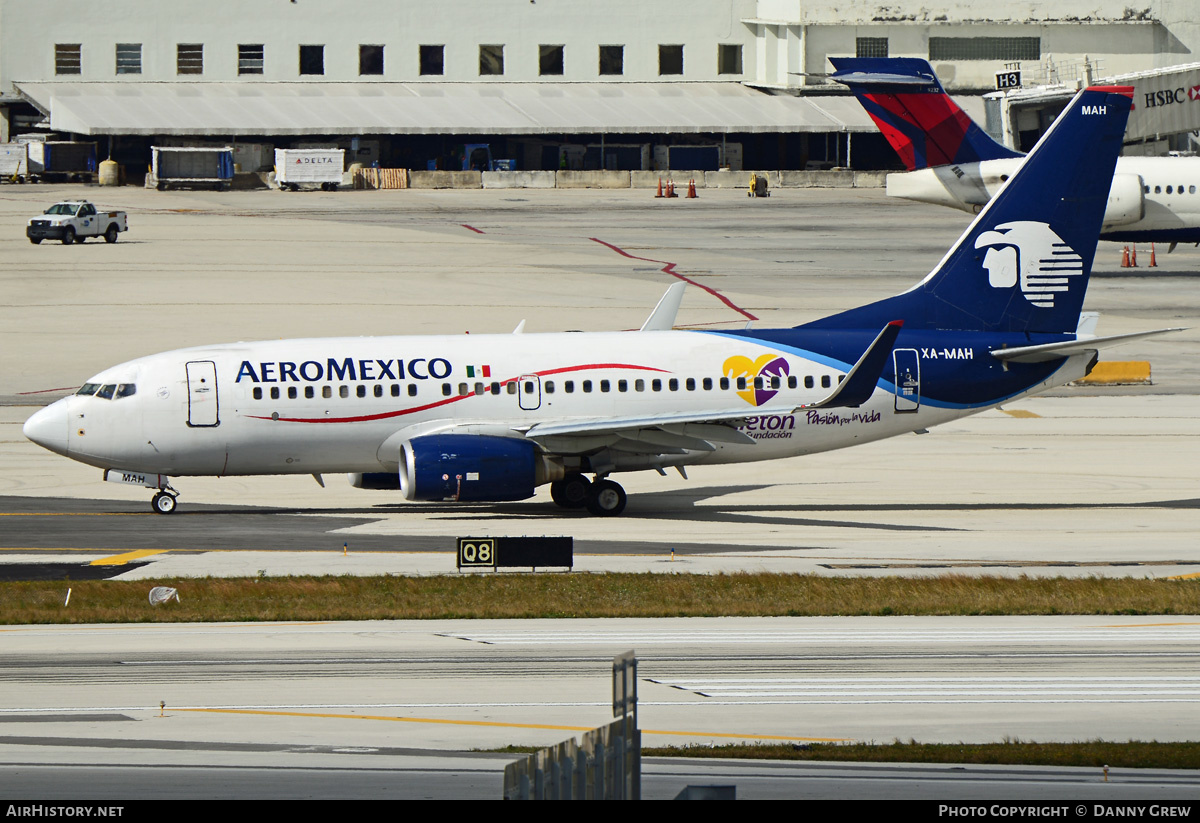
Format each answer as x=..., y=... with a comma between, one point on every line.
x=479, y=371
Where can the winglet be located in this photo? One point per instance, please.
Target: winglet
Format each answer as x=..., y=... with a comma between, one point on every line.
x=663, y=316
x=859, y=383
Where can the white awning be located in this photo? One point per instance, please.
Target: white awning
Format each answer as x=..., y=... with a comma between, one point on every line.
x=435, y=108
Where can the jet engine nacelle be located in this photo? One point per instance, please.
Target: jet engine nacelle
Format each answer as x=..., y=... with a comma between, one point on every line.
x=472, y=467
x=1126, y=201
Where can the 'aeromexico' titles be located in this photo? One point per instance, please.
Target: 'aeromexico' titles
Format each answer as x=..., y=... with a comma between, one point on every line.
x=348, y=368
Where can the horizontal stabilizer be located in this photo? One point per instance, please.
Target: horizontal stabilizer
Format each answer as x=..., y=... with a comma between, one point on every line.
x=860, y=382
x=663, y=316
x=1056, y=351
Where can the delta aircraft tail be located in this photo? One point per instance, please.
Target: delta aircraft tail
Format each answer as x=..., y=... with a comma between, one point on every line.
x=1023, y=264
x=912, y=110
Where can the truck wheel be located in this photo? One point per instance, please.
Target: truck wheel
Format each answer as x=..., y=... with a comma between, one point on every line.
x=110, y=236
x=68, y=236
x=35, y=240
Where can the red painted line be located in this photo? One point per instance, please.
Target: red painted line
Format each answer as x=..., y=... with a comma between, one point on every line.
x=48, y=391
x=415, y=409
x=669, y=268
x=472, y=228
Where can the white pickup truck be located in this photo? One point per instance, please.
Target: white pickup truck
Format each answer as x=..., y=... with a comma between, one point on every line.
x=75, y=220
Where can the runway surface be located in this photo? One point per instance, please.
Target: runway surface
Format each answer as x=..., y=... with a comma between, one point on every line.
x=378, y=698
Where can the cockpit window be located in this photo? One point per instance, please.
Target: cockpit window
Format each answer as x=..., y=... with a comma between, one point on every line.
x=88, y=389
x=126, y=390
x=106, y=391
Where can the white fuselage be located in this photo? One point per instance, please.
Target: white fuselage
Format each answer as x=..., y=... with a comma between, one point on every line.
x=316, y=406
x=1149, y=194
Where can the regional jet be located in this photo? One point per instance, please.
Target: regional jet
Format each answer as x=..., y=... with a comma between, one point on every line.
x=952, y=162
x=492, y=417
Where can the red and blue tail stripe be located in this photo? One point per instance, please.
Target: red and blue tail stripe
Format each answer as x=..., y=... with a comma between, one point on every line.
x=914, y=113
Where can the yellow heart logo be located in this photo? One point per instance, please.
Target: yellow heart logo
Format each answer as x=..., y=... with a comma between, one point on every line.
x=741, y=366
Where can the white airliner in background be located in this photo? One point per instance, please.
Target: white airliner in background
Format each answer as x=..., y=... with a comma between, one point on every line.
x=491, y=417
x=952, y=162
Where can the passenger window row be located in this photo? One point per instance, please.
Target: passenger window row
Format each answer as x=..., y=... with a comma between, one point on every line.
x=1170, y=189
x=310, y=392
x=671, y=384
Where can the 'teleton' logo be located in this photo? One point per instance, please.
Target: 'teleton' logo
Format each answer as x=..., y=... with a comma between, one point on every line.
x=767, y=366
x=1030, y=254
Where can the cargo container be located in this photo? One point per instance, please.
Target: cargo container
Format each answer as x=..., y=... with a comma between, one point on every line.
x=61, y=160
x=184, y=167
x=14, y=162
x=309, y=168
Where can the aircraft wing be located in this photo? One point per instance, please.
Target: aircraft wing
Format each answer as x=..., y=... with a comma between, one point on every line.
x=679, y=432
x=1056, y=351
x=674, y=433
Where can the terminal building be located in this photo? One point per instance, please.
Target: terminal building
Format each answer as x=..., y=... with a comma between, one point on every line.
x=543, y=84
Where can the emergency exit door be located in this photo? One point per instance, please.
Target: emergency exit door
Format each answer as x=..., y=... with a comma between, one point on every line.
x=203, y=407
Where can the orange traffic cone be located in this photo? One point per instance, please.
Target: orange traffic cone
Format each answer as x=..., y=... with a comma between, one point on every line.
x=1153, y=262
x=1124, y=255
x=660, y=191
x=692, y=189
x=671, y=189
x=1133, y=257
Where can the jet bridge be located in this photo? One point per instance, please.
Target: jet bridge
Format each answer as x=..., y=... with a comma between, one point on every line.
x=1166, y=106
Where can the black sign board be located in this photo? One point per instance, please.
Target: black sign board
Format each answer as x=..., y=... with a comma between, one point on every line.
x=507, y=552
x=1008, y=80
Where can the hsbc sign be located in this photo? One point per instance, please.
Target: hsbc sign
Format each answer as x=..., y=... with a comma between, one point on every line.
x=1182, y=94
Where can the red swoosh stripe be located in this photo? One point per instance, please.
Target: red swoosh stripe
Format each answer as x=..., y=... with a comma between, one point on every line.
x=415, y=409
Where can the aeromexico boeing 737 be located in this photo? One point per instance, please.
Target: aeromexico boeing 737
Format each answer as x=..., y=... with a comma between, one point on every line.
x=953, y=162
x=490, y=418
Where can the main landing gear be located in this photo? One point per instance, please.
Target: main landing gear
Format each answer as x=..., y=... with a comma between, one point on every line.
x=163, y=502
x=602, y=497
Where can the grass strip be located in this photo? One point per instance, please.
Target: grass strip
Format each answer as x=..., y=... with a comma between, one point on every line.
x=1135, y=754
x=526, y=596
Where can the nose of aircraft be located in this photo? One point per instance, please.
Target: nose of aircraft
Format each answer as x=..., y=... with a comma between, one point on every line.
x=48, y=427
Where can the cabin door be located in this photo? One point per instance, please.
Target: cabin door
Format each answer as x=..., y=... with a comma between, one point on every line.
x=908, y=380
x=202, y=394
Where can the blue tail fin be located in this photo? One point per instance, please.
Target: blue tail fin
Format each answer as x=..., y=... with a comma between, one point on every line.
x=920, y=121
x=1023, y=264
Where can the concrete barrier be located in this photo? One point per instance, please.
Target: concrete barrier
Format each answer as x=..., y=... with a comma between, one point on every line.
x=832, y=179
x=444, y=180
x=726, y=179
x=870, y=179
x=518, y=180
x=649, y=179
x=565, y=179
x=1118, y=373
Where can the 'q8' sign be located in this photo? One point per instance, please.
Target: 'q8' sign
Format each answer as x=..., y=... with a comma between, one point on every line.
x=476, y=552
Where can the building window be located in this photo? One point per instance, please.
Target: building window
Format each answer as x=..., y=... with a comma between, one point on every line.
x=729, y=59
x=491, y=60
x=68, y=58
x=433, y=60
x=370, y=60
x=129, y=58
x=550, y=60
x=250, y=59
x=870, y=47
x=985, y=48
x=612, y=60
x=670, y=60
x=189, y=58
x=312, y=59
